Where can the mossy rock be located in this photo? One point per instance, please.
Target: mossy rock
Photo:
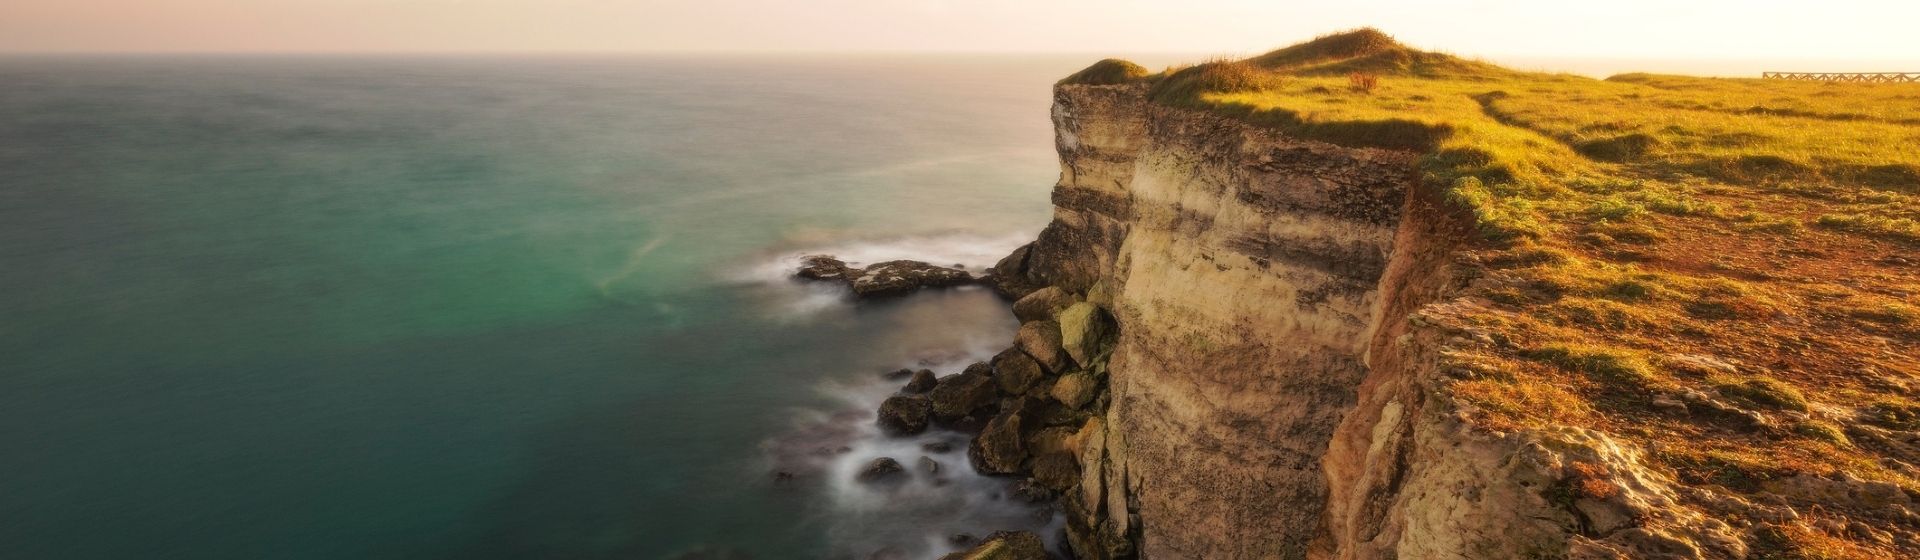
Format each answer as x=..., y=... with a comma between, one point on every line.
x=1084, y=328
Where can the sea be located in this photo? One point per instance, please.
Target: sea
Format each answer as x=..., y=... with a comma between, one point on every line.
x=475, y=307
x=323, y=307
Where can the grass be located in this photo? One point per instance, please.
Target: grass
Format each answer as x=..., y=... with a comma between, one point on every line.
x=1507, y=143
x=1107, y=72
x=1632, y=227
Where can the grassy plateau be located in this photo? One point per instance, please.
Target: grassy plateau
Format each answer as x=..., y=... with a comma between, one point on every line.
x=1722, y=272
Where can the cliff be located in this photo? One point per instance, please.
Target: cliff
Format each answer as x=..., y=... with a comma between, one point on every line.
x=1294, y=314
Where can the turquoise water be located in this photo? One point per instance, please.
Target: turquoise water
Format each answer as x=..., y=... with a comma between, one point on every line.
x=480, y=308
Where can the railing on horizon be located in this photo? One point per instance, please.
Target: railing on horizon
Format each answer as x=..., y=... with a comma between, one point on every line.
x=1864, y=77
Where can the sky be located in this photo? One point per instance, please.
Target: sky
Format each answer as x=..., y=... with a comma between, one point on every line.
x=1865, y=30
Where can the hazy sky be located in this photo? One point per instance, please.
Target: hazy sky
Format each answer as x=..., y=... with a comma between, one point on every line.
x=1831, y=29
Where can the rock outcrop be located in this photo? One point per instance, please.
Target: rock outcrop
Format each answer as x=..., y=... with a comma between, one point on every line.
x=1242, y=335
x=905, y=414
x=886, y=279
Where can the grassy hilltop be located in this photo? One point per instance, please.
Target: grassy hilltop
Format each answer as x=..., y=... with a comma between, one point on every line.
x=1723, y=271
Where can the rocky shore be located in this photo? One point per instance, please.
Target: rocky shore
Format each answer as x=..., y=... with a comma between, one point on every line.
x=1031, y=412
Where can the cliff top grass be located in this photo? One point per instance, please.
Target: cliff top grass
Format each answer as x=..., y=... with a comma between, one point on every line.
x=1724, y=272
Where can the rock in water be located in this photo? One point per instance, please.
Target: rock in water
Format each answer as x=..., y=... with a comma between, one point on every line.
x=928, y=465
x=921, y=382
x=999, y=449
x=893, y=278
x=1015, y=371
x=1041, y=340
x=879, y=470
x=1004, y=545
x=824, y=267
x=905, y=415
x=961, y=394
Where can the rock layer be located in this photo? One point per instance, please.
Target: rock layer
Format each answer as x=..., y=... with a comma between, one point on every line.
x=1269, y=383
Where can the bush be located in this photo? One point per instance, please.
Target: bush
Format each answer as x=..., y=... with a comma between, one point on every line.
x=1363, y=82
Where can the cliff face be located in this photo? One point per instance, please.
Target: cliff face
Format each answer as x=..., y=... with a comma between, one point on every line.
x=1284, y=314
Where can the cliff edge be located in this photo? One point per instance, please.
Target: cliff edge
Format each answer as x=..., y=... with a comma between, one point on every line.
x=1354, y=300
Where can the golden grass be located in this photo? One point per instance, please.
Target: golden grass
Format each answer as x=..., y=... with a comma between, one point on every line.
x=1511, y=144
x=1634, y=223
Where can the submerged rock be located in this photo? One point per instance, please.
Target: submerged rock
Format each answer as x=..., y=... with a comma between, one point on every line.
x=880, y=470
x=1004, y=545
x=905, y=415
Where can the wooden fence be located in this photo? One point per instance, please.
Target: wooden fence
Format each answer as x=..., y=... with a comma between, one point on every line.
x=1863, y=77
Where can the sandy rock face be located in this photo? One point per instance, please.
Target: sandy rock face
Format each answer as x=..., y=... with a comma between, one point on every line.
x=1266, y=392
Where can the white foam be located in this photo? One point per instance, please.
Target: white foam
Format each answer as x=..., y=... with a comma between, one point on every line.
x=920, y=513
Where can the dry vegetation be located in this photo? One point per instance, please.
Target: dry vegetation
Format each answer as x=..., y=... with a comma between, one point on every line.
x=1721, y=271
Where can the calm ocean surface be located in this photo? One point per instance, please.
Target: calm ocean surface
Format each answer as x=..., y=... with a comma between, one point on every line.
x=289, y=307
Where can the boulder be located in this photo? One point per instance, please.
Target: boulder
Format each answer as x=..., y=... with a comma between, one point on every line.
x=1057, y=471
x=825, y=267
x=880, y=470
x=1041, y=304
x=1009, y=276
x=1084, y=329
x=1015, y=371
x=1004, y=545
x=905, y=415
x=928, y=465
x=921, y=382
x=1076, y=389
x=1041, y=340
x=893, y=278
x=958, y=395
x=999, y=449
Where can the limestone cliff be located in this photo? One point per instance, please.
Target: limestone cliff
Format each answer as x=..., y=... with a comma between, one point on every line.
x=1283, y=312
